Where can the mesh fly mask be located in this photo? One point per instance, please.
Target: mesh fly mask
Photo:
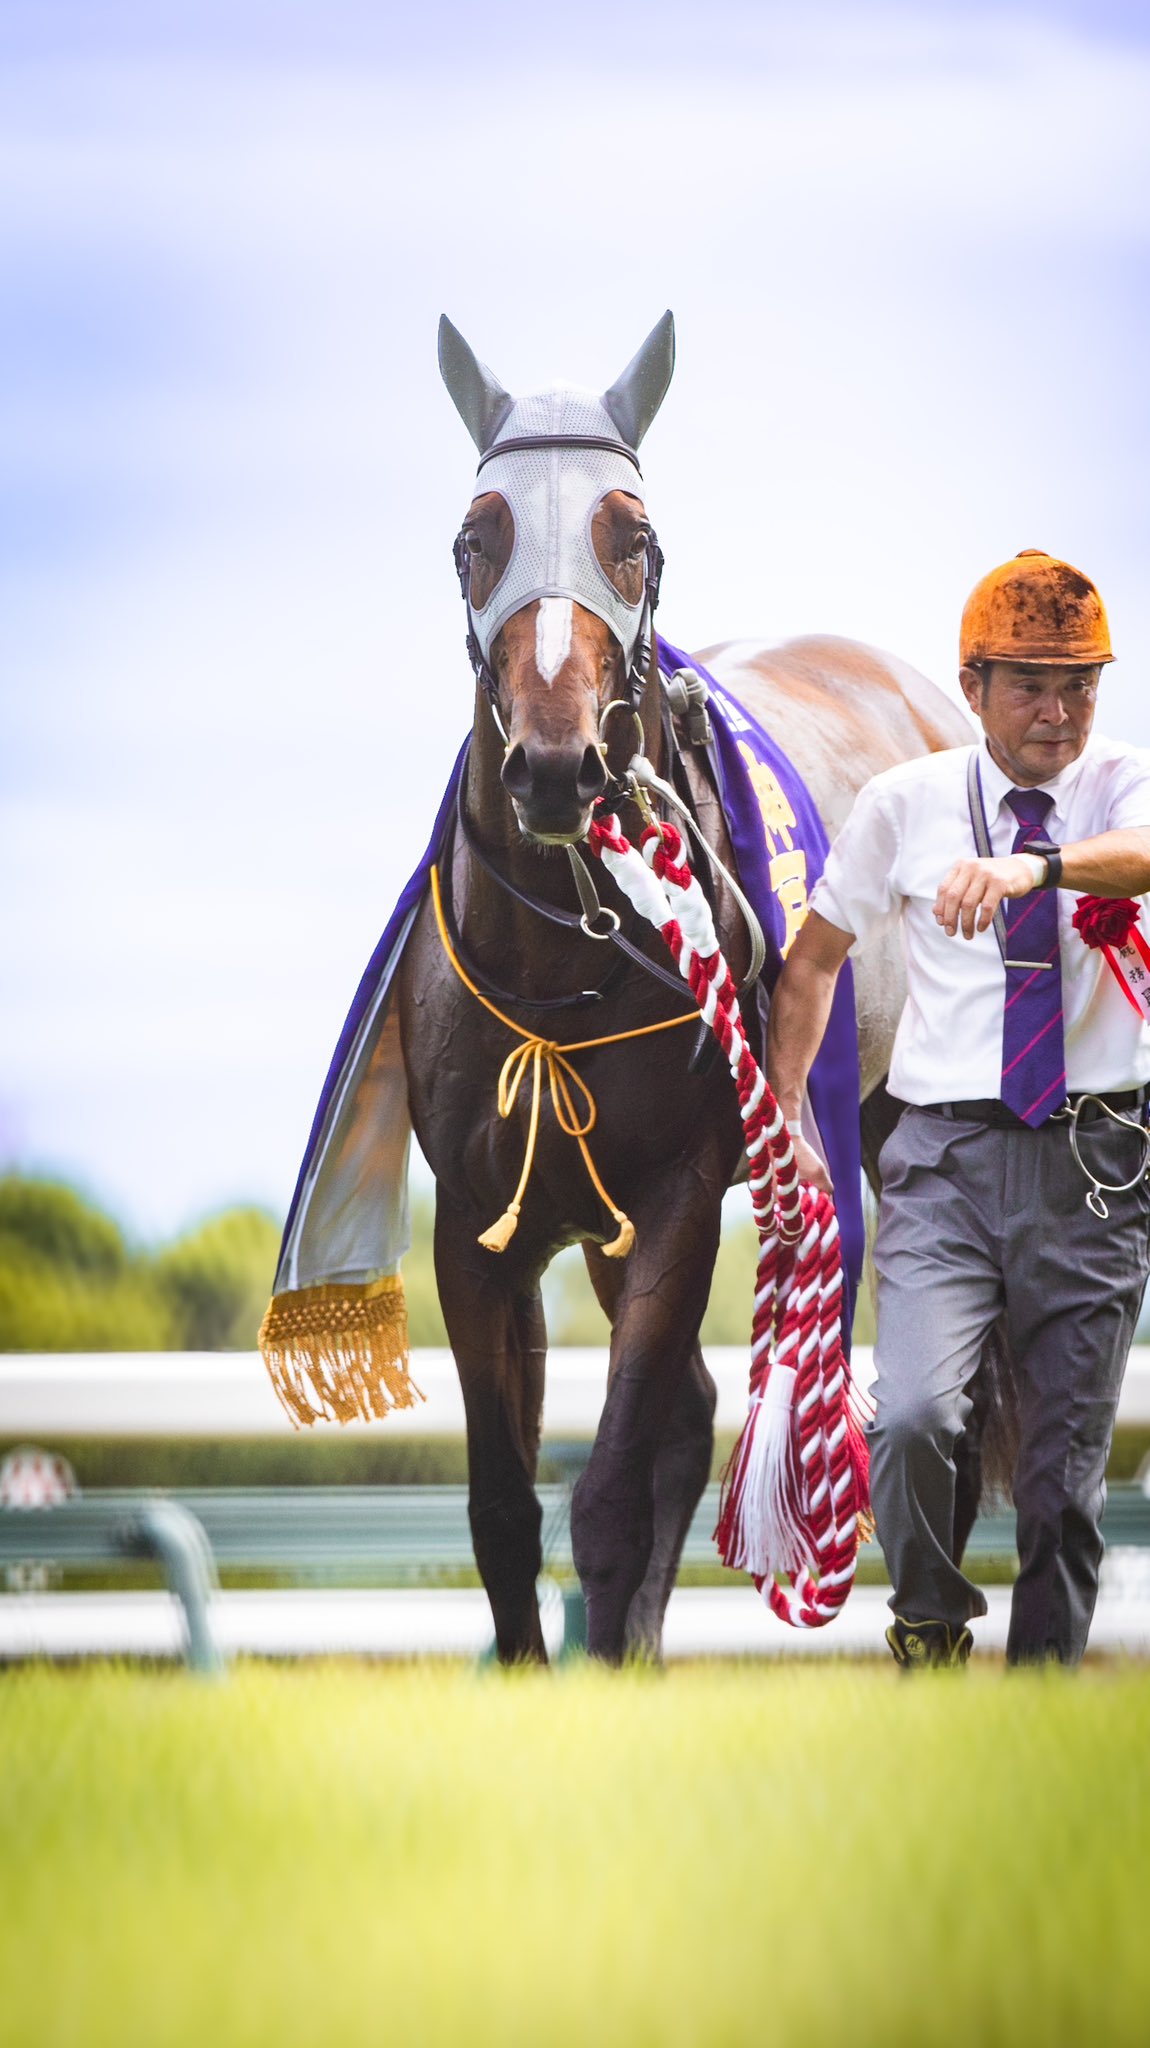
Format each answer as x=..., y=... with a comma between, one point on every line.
x=553, y=457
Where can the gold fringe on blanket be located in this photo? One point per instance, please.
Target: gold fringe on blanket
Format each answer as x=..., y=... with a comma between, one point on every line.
x=339, y=1353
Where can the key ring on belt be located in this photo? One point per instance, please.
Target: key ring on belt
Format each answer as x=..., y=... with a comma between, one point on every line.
x=1094, y=1201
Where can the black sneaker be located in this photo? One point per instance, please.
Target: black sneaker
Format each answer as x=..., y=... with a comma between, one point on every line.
x=918, y=1645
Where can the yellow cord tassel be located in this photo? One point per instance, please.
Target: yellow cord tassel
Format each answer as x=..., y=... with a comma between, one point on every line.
x=538, y=1053
x=621, y=1245
x=499, y=1236
x=339, y=1353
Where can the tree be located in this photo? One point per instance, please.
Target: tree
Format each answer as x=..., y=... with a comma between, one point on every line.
x=68, y=1281
x=425, y=1322
x=217, y=1280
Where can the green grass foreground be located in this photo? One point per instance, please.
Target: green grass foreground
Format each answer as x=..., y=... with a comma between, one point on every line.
x=423, y=1854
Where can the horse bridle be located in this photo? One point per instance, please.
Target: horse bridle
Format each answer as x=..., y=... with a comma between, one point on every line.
x=570, y=920
x=639, y=669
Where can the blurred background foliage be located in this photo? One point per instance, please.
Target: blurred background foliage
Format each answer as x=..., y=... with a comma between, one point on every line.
x=71, y=1280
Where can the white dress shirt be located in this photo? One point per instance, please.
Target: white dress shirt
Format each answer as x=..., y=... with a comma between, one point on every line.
x=906, y=829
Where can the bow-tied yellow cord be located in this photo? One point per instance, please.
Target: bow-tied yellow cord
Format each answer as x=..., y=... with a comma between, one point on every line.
x=536, y=1053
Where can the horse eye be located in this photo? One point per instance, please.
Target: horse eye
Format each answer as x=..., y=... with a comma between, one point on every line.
x=638, y=547
x=472, y=542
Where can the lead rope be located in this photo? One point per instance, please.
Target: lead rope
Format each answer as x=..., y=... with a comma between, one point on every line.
x=794, y=1496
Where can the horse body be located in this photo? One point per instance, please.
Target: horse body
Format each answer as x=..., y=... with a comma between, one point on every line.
x=556, y=561
x=666, y=1142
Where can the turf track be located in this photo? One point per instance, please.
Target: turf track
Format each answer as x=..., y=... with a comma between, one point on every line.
x=723, y=1855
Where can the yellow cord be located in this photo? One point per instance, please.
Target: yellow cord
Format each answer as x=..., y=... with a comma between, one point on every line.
x=537, y=1053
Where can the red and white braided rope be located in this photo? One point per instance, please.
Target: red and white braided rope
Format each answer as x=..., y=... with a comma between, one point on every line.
x=796, y=1483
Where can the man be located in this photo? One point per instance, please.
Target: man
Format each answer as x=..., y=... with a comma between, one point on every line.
x=1011, y=1025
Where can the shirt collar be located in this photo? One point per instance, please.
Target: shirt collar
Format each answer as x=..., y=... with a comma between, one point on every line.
x=996, y=785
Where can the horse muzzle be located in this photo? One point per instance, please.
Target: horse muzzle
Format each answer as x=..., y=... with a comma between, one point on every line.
x=553, y=786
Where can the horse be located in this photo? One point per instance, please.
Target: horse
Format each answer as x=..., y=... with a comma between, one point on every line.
x=558, y=563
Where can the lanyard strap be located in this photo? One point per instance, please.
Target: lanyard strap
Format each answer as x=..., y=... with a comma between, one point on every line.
x=978, y=825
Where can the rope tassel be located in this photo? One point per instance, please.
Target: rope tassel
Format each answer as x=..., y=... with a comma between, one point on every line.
x=499, y=1234
x=758, y=1530
x=621, y=1245
x=339, y=1353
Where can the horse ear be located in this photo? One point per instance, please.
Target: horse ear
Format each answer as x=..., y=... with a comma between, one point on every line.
x=636, y=396
x=480, y=400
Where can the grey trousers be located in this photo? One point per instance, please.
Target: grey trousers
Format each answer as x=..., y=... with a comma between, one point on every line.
x=974, y=1223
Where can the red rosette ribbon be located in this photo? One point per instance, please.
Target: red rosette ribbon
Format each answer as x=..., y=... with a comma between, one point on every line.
x=1105, y=920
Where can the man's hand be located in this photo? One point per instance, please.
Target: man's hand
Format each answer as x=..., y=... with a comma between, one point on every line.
x=971, y=891
x=811, y=1167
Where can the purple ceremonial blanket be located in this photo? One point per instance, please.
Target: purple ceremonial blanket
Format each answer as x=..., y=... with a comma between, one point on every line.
x=380, y=968
x=780, y=847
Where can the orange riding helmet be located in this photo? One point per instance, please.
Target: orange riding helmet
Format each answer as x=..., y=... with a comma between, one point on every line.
x=1035, y=608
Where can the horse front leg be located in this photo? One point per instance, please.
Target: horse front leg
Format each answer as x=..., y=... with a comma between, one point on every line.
x=498, y=1336
x=682, y=1467
x=661, y=1298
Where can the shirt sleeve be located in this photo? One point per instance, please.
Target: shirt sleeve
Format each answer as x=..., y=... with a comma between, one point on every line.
x=856, y=891
x=1130, y=802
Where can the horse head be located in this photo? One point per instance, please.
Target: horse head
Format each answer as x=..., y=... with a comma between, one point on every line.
x=559, y=570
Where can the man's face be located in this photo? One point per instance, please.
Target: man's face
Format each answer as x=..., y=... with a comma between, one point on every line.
x=1036, y=719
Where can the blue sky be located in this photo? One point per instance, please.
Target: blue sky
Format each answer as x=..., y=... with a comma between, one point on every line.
x=906, y=250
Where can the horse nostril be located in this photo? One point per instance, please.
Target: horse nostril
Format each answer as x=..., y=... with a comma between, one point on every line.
x=553, y=784
x=591, y=780
x=516, y=774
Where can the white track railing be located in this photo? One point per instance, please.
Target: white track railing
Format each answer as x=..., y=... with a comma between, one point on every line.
x=227, y=1393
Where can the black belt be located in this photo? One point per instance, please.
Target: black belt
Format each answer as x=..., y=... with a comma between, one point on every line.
x=989, y=1110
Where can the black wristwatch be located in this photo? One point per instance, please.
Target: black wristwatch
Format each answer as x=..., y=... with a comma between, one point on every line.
x=1052, y=855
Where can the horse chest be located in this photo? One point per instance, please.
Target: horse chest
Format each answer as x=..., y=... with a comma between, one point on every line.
x=646, y=1116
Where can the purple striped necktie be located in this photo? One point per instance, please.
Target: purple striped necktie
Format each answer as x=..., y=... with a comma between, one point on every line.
x=1033, y=1053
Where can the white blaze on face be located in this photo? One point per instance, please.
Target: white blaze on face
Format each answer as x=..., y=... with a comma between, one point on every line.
x=552, y=636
